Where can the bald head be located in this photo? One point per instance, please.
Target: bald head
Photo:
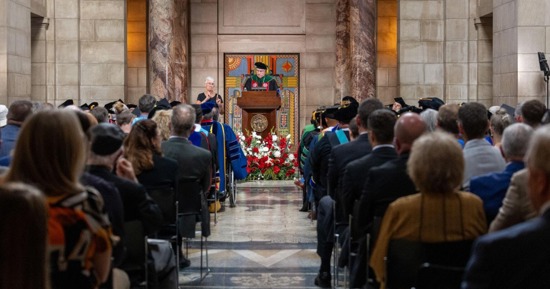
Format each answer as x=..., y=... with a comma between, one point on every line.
x=407, y=129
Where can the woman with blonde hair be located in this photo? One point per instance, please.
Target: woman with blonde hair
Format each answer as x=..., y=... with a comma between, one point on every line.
x=440, y=212
x=23, y=236
x=163, y=119
x=50, y=154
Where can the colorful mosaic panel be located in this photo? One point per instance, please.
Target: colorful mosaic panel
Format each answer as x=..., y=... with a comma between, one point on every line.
x=284, y=67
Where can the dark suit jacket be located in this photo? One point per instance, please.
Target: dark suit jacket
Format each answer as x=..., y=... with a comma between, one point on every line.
x=163, y=173
x=355, y=175
x=319, y=159
x=137, y=203
x=194, y=162
x=340, y=156
x=516, y=257
x=384, y=185
x=114, y=208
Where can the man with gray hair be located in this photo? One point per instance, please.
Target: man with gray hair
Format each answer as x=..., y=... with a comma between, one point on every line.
x=492, y=187
x=194, y=166
x=517, y=257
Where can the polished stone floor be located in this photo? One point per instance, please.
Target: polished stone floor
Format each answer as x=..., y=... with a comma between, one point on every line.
x=263, y=242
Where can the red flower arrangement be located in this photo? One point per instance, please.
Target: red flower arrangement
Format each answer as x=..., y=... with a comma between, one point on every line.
x=270, y=158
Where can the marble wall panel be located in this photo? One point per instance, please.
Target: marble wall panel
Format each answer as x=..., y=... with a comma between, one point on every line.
x=243, y=17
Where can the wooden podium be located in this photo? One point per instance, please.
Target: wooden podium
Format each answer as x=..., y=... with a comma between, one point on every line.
x=259, y=111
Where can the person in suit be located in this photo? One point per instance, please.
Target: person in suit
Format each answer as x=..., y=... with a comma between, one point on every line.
x=380, y=131
x=492, y=187
x=479, y=155
x=387, y=182
x=142, y=149
x=106, y=161
x=439, y=212
x=516, y=206
x=517, y=257
x=341, y=155
x=194, y=162
x=319, y=158
x=18, y=112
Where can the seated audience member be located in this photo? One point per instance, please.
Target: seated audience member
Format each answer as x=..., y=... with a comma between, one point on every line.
x=516, y=206
x=146, y=104
x=447, y=118
x=54, y=137
x=23, y=247
x=498, y=122
x=194, y=166
x=229, y=149
x=17, y=114
x=439, y=212
x=492, y=187
x=387, y=182
x=101, y=114
x=517, y=257
x=430, y=118
x=353, y=129
x=124, y=121
x=532, y=112
x=340, y=155
x=163, y=118
x=105, y=161
x=142, y=149
x=479, y=156
x=380, y=131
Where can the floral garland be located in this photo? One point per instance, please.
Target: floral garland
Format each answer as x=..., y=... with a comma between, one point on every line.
x=270, y=158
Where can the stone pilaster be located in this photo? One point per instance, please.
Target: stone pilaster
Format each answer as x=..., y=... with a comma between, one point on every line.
x=169, y=49
x=363, y=48
x=355, y=68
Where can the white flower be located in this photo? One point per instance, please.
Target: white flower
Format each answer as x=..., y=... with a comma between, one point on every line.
x=290, y=157
x=242, y=137
x=277, y=154
x=274, y=138
x=288, y=136
x=265, y=149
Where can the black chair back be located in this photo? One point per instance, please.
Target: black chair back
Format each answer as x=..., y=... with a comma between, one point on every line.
x=165, y=197
x=413, y=264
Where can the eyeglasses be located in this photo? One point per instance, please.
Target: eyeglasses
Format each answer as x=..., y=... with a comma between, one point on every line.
x=209, y=83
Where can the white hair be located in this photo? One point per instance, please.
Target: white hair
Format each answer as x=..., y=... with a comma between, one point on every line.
x=209, y=79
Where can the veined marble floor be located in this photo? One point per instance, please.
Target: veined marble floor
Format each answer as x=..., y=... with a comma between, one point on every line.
x=263, y=242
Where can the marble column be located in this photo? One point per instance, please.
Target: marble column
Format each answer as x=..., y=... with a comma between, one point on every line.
x=356, y=48
x=169, y=49
x=342, y=71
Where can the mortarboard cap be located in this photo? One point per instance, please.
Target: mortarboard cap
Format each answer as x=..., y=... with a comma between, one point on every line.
x=509, y=110
x=207, y=107
x=109, y=107
x=162, y=104
x=106, y=138
x=174, y=103
x=430, y=102
x=93, y=105
x=347, y=110
x=260, y=65
x=66, y=103
x=85, y=106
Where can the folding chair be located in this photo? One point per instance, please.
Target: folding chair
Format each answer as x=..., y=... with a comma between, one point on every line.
x=421, y=264
x=193, y=209
x=165, y=197
x=136, y=260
